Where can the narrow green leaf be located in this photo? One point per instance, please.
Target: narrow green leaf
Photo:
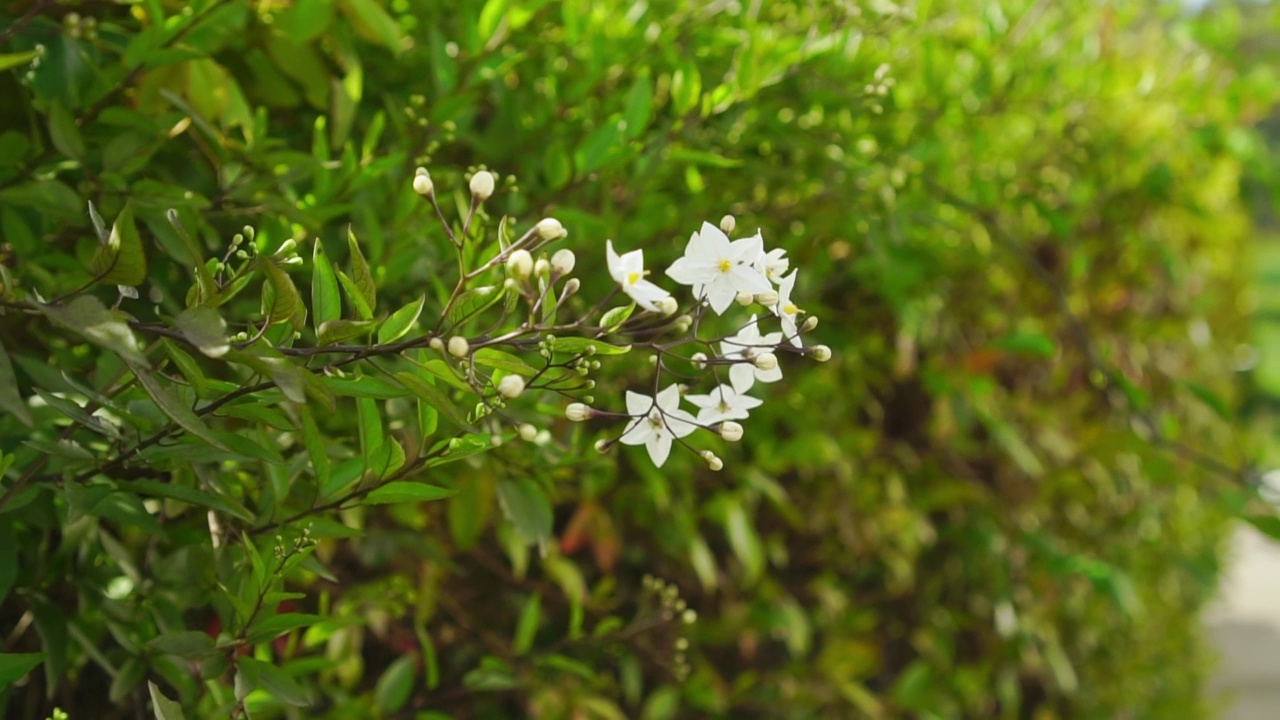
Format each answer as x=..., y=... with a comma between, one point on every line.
x=473, y=302
x=355, y=297
x=370, y=425
x=87, y=316
x=401, y=321
x=1027, y=343
x=317, y=450
x=274, y=680
x=526, y=506
x=130, y=674
x=613, y=319
x=73, y=410
x=405, y=491
x=396, y=684
x=285, y=301
x=164, y=708
x=639, y=108
x=192, y=496
x=504, y=361
x=438, y=400
x=64, y=132
x=186, y=644
x=10, y=399
x=360, y=273
x=581, y=345
x=171, y=405
x=15, y=666
x=99, y=225
x=8, y=559
x=339, y=331
x=270, y=628
x=190, y=370
x=373, y=21
x=205, y=328
x=205, y=285
x=122, y=260
x=326, y=303
x=527, y=627
x=13, y=60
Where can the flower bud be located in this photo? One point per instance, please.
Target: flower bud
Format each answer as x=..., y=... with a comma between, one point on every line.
x=683, y=323
x=602, y=445
x=458, y=346
x=728, y=223
x=821, y=353
x=731, y=431
x=422, y=183
x=766, y=361
x=570, y=288
x=542, y=268
x=667, y=306
x=563, y=261
x=745, y=299
x=810, y=323
x=436, y=344
x=482, y=185
x=767, y=299
x=527, y=432
x=550, y=229
x=287, y=247
x=520, y=264
x=713, y=462
x=577, y=412
x=511, y=386
x=699, y=360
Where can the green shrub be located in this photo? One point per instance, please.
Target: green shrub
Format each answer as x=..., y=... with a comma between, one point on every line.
x=1003, y=497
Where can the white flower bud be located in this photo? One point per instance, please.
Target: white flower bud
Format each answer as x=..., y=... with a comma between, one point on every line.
x=563, y=260
x=731, y=431
x=728, y=223
x=458, y=346
x=683, y=323
x=511, y=386
x=542, y=268
x=766, y=361
x=527, y=432
x=712, y=461
x=436, y=344
x=570, y=287
x=577, y=412
x=482, y=185
x=520, y=264
x=767, y=299
x=689, y=616
x=821, y=353
x=602, y=445
x=287, y=247
x=699, y=360
x=667, y=306
x=550, y=229
x=810, y=323
x=422, y=183
x=745, y=299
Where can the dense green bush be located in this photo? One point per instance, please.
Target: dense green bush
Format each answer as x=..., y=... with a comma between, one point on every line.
x=1018, y=221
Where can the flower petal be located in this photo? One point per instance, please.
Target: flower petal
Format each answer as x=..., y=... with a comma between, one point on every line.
x=659, y=447
x=638, y=404
x=638, y=432
x=669, y=398
x=743, y=376
x=687, y=271
x=720, y=294
x=680, y=423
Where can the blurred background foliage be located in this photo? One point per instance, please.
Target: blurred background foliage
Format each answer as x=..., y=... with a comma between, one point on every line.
x=1025, y=225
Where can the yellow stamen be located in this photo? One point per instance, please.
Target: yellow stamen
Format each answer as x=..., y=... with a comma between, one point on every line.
x=633, y=278
x=790, y=309
x=725, y=265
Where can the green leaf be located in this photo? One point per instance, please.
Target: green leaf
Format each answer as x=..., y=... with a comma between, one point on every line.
x=326, y=303
x=396, y=684
x=401, y=321
x=13, y=60
x=639, y=108
x=64, y=132
x=369, y=422
x=186, y=644
x=10, y=399
x=687, y=156
x=274, y=680
x=1026, y=343
x=8, y=558
x=367, y=386
x=405, y=491
x=15, y=666
x=191, y=496
x=360, y=273
x=526, y=506
x=745, y=542
x=527, y=627
x=122, y=260
x=473, y=302
x=171, y=405
x=273, y=627
x=127, y=678
x=99, y=225
x=371, y=20
x=504, y=361
x=205, y=284
x=354, y=296
x=581, y=345
x=613, y=319
x=338, y=331
x=686, y=87
x=285, y=301
x=599, y=147
x=317, y=450
x=431, y=395
x=87, y=316
x=205, y=328
x=164, y=708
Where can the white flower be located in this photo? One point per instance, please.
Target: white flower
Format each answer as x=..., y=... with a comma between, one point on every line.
x=628, y=271
x=719, y=269
x=787, y=310
x=482, y=185
x=723, y=403
x=772, y=264
x=511, y=386
x=745, y=347
x=658, y=421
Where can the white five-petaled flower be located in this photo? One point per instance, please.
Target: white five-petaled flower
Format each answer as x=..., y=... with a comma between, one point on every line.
x=773, y=264
x=787, y=311
x=723, y=403
x=719, y=269
x=658, y=421
x=628, y=271
x=744, y=346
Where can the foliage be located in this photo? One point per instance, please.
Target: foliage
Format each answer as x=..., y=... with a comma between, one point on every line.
x=1005, y=496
